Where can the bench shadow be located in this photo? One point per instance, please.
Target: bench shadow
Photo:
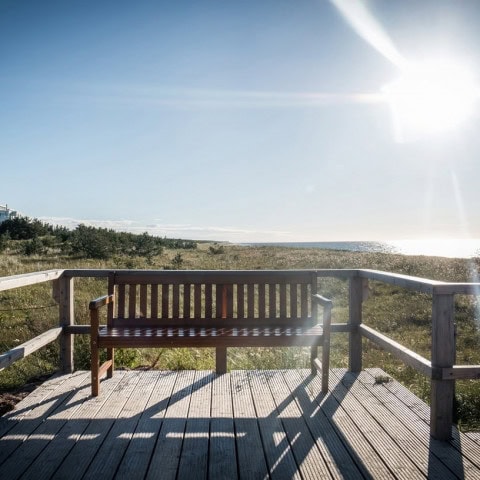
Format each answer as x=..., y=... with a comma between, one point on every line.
x=150, y=445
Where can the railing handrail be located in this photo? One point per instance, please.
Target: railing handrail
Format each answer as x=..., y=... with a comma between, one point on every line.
x=25, y=279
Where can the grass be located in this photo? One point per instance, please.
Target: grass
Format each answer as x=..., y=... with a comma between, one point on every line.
x=404, y=316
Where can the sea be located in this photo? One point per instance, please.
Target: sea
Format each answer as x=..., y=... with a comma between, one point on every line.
x=451, y=248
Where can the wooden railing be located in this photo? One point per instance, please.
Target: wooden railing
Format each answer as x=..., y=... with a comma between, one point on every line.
x=441, y=369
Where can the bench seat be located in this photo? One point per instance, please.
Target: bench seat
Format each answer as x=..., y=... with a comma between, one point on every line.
x=174, y=336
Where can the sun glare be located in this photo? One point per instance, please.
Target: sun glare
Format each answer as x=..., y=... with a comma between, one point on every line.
x=431, y=97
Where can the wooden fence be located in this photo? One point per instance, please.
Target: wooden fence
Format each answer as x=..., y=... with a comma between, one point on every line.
x=441, y=369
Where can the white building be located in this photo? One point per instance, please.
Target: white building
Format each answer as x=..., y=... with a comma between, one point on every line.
x=7, y=213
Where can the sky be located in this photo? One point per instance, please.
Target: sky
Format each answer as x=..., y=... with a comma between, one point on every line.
x=242, y=121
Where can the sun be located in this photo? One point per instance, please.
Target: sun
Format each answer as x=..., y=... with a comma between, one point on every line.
x=431, y=97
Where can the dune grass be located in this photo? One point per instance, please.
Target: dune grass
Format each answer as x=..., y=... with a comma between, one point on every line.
x=400, y=314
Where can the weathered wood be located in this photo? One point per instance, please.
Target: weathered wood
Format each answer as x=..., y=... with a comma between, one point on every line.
x=443, y=356
x=461, y=372
x=197, y=424
x=328, y=437
x=406, y=355
x=396, y=428
x=72, y=419
x=221, y=360
x=63, y=293
x=355, y=319
x=194, y=460
x=308, y=457
x=280, y=459
x=85, y=452
x=249, y=447
x=166, y=455
x=116, y=442
x=137, y=456
x=15, y=281
x=40, y=412
x=410, y=417
x=222, y=462
x=25, y=349
x=408, y=282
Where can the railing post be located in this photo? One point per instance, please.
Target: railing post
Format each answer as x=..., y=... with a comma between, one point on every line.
x=63, y=294
x=443, y=355
x=357, y=285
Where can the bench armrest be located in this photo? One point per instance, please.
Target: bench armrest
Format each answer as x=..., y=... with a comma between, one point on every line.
x=327, y=311
x=100, y=302
x=325, y=302
x=94, y=307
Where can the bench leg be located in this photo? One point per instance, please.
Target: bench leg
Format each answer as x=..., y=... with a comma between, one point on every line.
x=221, y=360
x=313, y=357
x=110, y=356
x=95, y=367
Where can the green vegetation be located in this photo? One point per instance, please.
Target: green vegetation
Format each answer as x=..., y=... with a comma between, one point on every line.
x=32, y=237
x=400, y=314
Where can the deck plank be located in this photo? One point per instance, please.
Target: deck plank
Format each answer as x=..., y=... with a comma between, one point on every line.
x=90, y=441
x=462, y=443
x=59, y=448
x=250, y=455
x=366, y=459
x=166, y=455
x=36, y=417
x=110, y=454
x=399, y=464
x=243, y=424
x=137, y=456
x=222, y=457
x=194, y=459
x=336, y=455
x=438, y=451
x=278, y=452
x=407, y=441
x=308, y=457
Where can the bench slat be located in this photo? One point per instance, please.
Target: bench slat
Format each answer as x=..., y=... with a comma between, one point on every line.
x=121, y=301
x=132, y=301
x=186, y=301
x=143, y=301
x=240, y=300
x=293, y=300
x=272, y=300
x=283, y=300
x=261, y=300
x=251, y=300
x=176, y=301
x=165, y=301
x=197, y=309
x=303, y=300
x=208, y=301
x=154, y=300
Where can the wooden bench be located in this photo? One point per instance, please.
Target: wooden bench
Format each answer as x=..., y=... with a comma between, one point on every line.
x=221, y=309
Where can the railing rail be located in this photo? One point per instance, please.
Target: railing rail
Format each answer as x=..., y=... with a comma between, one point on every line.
x=441, y=369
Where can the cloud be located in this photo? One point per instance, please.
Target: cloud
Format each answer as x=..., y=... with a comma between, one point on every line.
x=155, y=96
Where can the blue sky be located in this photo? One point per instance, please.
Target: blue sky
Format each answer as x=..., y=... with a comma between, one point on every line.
x=231, y=120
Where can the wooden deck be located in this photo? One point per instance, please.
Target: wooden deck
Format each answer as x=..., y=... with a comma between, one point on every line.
x=268, y=424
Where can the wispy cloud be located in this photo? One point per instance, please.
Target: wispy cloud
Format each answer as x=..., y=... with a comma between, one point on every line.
x=146, y=95
x=185, y=231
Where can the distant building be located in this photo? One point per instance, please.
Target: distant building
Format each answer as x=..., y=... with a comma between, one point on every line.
x=7, y=213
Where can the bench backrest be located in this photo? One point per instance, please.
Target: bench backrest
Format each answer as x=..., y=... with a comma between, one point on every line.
x=186, y=297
